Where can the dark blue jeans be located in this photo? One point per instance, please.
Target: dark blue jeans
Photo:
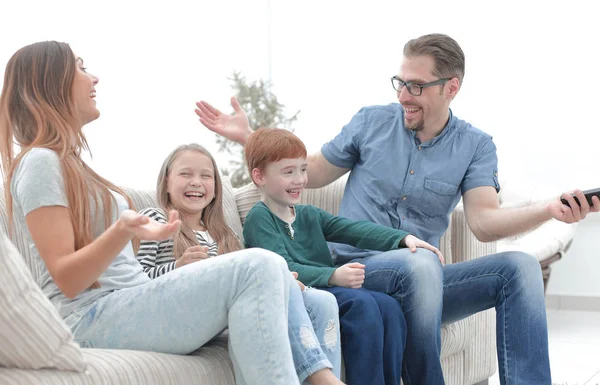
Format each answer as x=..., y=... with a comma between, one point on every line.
x=432, y=295
x=373, y=334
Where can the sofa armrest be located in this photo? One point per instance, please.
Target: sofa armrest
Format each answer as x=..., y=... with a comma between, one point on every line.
x=465, y=245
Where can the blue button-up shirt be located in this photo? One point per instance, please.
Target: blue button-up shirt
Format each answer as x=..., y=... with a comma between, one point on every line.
x=397, y=181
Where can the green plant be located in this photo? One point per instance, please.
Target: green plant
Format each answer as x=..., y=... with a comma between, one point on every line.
x=263, y=110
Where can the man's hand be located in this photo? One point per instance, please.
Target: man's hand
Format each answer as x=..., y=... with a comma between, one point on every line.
x=233, y=127
x=411, y=242
x=350, y=275
x=191, y=255
x=302, y=286
x=575, y=213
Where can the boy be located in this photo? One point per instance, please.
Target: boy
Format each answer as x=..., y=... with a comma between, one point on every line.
x=373, y=339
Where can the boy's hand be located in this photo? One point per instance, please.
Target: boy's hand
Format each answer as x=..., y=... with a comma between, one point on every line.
x=350, y=275
x=302, y=286
x=233, y=127
x=191, y=255
x=412, y=242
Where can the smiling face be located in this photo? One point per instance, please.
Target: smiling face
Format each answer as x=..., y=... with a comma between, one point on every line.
x=191, y=184
x=282, y=182
x=83, y=91
x=430, y=109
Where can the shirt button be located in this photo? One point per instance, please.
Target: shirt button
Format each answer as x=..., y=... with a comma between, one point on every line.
x=412, y=172
x=419, y=148
x=404, y=198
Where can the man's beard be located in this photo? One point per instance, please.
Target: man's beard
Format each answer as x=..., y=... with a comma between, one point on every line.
x=416, y=126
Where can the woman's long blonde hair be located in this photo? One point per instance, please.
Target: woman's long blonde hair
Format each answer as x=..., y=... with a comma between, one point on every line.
x=37, y=110
x=212, y=217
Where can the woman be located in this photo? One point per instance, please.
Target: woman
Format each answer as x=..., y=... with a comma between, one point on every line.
x=80, y=228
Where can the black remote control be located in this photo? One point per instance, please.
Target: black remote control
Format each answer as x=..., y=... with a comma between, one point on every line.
x=588, y=196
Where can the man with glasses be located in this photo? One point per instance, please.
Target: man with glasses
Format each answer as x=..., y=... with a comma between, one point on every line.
x=409, y=165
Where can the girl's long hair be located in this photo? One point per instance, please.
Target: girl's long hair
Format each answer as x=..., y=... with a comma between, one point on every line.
x=37, y=110
x=212, y=217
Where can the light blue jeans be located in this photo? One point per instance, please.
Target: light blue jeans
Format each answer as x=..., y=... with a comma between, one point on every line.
x=247, y=291
x=315, y=338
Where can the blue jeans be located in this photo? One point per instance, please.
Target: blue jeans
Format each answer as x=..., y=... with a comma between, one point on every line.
x=247, y=291
x=432, y=295
x=373, y=336
x=314, y=332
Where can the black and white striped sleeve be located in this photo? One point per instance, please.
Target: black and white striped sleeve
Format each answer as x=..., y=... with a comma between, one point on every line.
x=148, y=254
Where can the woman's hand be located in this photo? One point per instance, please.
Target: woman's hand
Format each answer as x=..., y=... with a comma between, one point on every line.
x=143, y=227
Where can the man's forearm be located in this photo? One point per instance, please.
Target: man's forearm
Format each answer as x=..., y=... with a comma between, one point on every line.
x=496, y=224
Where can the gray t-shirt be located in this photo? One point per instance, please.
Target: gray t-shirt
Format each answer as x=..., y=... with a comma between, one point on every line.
x=38, y=182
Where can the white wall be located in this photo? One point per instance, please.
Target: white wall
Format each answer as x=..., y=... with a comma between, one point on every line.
x=532, y=74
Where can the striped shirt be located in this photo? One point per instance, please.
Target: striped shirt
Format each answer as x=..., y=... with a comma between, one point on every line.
x=157, y=258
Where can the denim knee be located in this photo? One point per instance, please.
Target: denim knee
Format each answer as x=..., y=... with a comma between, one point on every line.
x=322, y=308
x=522, y=267
x=265, y=261
x=366, y=312
x=320, y=304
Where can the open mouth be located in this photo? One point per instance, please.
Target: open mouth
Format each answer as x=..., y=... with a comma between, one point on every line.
x=194, y=195
x=294, y=192
x=93, y=94
x=410, y=112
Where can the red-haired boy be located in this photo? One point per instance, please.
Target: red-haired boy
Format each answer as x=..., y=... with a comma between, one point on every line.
x=372, y=324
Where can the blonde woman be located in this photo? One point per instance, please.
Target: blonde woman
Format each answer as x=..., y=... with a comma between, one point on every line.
x=80, y=228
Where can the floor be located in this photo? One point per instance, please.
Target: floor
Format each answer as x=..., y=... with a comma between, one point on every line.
x=574, y=341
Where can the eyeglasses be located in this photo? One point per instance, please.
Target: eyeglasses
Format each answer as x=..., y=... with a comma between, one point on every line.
x=415, y=89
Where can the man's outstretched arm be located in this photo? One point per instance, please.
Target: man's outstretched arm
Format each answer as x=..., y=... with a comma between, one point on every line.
x=489, y=222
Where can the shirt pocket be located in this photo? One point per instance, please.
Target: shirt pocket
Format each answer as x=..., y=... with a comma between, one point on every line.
x=437, y=197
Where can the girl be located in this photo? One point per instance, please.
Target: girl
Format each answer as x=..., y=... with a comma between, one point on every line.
x=190, y=184
x=80, y=229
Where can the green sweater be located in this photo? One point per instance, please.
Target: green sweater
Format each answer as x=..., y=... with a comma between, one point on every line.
x=305, y=249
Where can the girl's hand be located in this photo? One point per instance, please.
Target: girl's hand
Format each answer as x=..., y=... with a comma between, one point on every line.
x=143, y=227
x=412, y=242
x=295, y=275
x=191, y=255
x=233, y=127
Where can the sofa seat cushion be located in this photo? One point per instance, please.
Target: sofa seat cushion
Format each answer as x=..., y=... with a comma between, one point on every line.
x=208, y=365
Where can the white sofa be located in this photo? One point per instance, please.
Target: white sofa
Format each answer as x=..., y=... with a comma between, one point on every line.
x=468, y=346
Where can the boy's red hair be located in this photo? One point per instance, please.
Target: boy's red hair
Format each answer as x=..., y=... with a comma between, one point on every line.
x=268, y=145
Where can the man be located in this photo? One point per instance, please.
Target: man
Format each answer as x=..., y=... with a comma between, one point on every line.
x=409, y=165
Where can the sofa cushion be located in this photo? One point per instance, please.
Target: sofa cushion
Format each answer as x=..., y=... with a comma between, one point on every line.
x=544, y=242
x=326, y=198
x=17, y=237
x=210, y=365
x=32, y=334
